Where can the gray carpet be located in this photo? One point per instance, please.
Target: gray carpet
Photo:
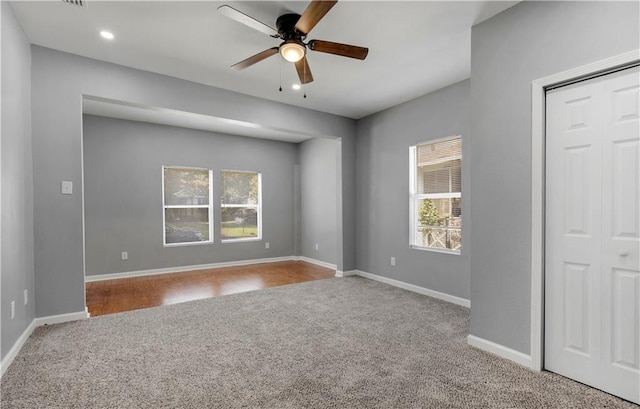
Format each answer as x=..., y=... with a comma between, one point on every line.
x=336, y=343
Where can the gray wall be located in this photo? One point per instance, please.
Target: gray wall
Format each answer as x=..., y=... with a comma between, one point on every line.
x=58, y=82
x=527, y=42
x=318, y=199
x=383, y=190
x=17, y=182
x=123, y=193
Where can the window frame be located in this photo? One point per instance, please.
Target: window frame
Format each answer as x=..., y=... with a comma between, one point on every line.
x=257, y=206
x=415, y=198
x=208, y=206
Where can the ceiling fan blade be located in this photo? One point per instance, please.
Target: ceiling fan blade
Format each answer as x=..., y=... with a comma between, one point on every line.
x=344, y=50
x=314, y=13
x=255, y=59
x=247, y=20
x=304, y=72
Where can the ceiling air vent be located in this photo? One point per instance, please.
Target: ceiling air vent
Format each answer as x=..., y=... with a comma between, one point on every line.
x=78, y=3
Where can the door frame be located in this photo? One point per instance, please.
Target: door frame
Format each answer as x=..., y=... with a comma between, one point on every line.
x=538, y=166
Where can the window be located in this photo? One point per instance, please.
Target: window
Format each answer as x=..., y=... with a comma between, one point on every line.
x=187, y=208
x=436, y=193
x=240, y=205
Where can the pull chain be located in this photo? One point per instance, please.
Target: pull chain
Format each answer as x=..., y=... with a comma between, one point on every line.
x=280, y=59
x=304, y=83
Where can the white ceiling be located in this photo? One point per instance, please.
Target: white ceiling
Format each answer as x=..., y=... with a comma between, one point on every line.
x=414, y=47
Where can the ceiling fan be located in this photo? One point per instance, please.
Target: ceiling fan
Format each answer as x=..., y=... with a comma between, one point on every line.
x=293, y=30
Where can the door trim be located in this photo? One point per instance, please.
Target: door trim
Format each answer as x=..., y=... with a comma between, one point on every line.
x=538, y=106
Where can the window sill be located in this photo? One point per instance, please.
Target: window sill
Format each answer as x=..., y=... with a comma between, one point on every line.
x=191, y=243
x=240, y=240
x=436, y=250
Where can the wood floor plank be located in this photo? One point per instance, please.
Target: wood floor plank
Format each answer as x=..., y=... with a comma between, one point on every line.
x=126, y=294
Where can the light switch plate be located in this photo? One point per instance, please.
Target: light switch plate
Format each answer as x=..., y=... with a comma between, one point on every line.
x=67, y=188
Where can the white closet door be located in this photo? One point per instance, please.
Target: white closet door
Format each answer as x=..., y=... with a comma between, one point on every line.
x=592, y=272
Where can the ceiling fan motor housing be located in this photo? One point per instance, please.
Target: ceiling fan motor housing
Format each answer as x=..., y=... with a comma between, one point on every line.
x=286, y=26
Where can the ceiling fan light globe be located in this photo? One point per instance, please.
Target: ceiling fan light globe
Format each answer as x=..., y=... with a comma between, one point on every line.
x=292, y=51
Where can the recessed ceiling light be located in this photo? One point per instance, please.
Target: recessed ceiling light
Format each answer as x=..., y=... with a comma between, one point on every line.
x=107, y=34
x=295, y=86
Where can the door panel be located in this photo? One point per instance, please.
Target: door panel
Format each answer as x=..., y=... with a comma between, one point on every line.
x=620, y=239
x=577, y=203
x=577, y=293
x=592, y=238
x=625, y=346
x=573, y=230
x=626, y=222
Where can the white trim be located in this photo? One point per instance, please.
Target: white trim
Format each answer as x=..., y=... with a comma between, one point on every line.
x=240, y=240
x=500, y=350
x=37, y=322
x=186, y=207
x=15, y=349
x=187, y=243
x=537, y=188
x=346, y=273
x=436, y=250
x=128, y=274
x=450, y=195
x=537, y=223
x=57, y=319
x=413, y=212
x=416, y=289
x=317, y=262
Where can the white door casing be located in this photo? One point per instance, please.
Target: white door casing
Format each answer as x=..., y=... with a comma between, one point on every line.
x=592, y=273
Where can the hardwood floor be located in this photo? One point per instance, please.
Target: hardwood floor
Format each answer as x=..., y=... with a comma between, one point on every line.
x=126, y=294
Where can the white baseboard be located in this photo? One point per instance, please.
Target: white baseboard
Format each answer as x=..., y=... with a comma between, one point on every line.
x=15, y=349
x=500, y=350
x=37, y=322
x=140, y=273
x=57, y=319
x=346, y=273
x=316, y=262
x=417, y=289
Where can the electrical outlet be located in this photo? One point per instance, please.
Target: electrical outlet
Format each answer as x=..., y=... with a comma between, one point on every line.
x=13, y=309
x=125, y=255
x=393, y=261
x=317, y=247
x=266, y=245
x=26, y=296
